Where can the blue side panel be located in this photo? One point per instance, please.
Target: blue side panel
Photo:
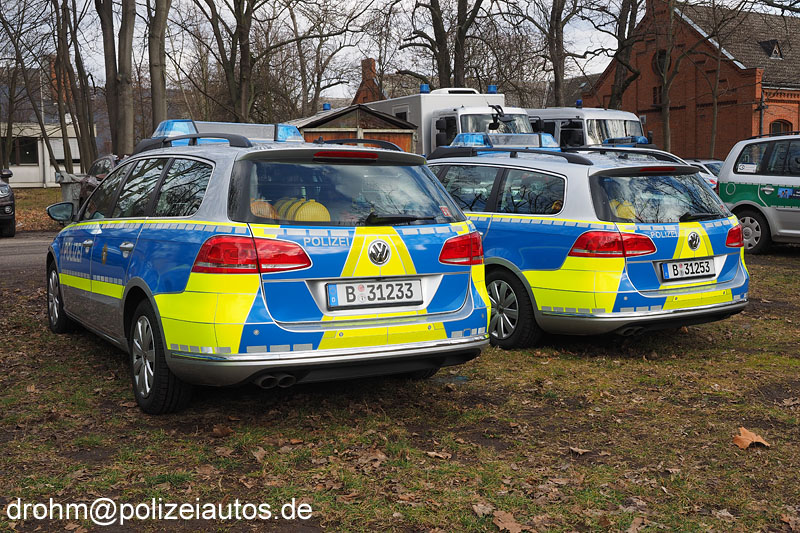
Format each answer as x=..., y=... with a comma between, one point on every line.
x=294, y=301
x=450, y=294
x=258, y=336
x=533, y=243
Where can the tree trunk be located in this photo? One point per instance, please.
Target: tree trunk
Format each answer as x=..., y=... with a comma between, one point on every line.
x=105, y=10
x=125, y=138
x=79, y=83
x=156, y=51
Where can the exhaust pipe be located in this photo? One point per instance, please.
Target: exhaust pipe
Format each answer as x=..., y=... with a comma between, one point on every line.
x=285, y=380
x=267, y=381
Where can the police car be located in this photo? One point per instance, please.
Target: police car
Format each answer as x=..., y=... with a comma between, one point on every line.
x=274, y=263
x=596, y=240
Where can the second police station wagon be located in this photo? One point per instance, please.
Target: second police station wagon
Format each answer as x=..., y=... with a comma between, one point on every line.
x=596, y=240
x=270, y=263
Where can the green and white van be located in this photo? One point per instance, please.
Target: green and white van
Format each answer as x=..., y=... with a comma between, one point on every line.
x=760, y=183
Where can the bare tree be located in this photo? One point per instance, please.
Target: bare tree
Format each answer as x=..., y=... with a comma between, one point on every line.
x=118, y=58
x=157, y=13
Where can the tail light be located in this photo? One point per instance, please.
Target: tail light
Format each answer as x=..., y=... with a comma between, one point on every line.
x=225, y=254
x=735, y=238
x=612, y=244
x=463, y=250
x=280, y=256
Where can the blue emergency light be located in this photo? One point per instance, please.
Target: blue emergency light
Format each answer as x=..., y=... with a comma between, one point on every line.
x=254, y=132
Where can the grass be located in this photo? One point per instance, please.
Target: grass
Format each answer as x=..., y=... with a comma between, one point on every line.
x=652, y=419
x=31, y=204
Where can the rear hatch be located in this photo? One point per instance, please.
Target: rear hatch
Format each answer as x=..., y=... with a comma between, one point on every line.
x=349, y=234
x=677, y=235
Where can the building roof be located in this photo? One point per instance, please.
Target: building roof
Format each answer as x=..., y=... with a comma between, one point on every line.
x=575, y=88
x=325, y=117
x=753, y=39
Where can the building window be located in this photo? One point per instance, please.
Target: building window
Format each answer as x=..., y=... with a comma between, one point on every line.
x=661, y=62
x=657, y=95
x=24, y=151
x=780, y=126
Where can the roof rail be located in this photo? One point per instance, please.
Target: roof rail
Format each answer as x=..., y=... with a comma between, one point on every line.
x=658, y=154
x=469, y=151
x=776, y=134
x=237, y=141
x=383, y=144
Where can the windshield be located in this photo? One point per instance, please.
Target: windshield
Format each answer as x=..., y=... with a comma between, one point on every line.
x=714, y=166
x=337, y=194
x=655, y=199
x=514, y=124
x=598, y=130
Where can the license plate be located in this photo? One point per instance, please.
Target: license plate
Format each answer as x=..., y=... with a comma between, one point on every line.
x=695, y=268
x=374, y=293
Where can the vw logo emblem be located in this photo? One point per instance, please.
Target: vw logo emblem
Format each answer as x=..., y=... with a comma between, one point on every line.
x=379, y=253
x=694, y=240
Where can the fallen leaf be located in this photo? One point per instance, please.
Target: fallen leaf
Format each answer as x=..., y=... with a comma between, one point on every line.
x=373, y=458
x=578, y=451
x=223, y=451
x=790, y=402
x=505, y=522
x=206, y=470
x=745, y=438
x=439, y=455
x=295, y=441
x=792, y=521
x=128, y=405
x=482, y=508
x=32, y=389
x=723, y=514
x=221, y=431
x=636, y=526
x=259, y=453
x=71, y=525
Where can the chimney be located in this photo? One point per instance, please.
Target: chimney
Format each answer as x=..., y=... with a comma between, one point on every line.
x=368, y=70
x=368, y=91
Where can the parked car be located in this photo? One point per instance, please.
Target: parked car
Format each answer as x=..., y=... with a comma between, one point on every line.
x=96, y=174
x=271, y=264
x=760, y=183
x=8, y=212
x=709, y=169
x=596, y=240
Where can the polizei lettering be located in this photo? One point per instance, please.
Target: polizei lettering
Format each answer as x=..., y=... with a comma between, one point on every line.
x=326, y=241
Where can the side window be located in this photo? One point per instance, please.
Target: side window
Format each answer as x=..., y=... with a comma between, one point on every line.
x=451, y=128
x=750, y=159
x=183, y=188
x=777, y=159
x=138, y=189
x=793, y=159
x=550, y=127
x=470, y=186
x=531, y=193
x=101, y=203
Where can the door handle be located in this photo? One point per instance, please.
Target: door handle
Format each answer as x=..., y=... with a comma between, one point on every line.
x=126, y=246
x=87, y=243
x=768, y=189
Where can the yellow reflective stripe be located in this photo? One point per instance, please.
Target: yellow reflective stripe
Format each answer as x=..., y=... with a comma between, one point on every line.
x=357, y=264
x=224, y=283
x=108, y=289
x=201, y=306
x=74, y=281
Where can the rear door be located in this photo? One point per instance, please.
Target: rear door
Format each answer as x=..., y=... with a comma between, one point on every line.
x=341, y=239
x=115, y=243
x=688, y=228
x=782, y=192
x=472, y=188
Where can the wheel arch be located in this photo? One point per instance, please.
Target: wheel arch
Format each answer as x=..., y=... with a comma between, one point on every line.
x=749, y=206
x=498, y=263
x=136, y=292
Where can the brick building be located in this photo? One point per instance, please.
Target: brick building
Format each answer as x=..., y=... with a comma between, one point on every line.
x=759, y=77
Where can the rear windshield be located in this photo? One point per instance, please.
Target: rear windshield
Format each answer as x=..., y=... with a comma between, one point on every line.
x=338, y=194
x=655, y=199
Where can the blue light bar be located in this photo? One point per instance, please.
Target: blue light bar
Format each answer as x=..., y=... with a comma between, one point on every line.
x=543, y=141
x=254, y=132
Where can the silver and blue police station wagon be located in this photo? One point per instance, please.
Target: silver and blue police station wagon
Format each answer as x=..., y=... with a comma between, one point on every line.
x=272, y=263
x=596, y=240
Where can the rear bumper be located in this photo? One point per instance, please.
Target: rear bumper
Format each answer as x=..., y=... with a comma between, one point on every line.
x=324, y=365
x=638, y=322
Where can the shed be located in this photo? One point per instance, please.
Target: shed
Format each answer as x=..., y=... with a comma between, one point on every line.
x=358, y=121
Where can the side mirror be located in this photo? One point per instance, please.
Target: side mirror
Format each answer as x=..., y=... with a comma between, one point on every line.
x=441, y=124
x=5, y=174
x=61, y=212
x=441, y=139
x=494, y=125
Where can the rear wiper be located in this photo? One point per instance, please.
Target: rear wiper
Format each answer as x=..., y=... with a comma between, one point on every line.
x=688, y=216
x=374, y=220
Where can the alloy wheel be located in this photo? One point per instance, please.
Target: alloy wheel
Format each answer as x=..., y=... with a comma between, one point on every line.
x=53, y=299
x=144, y=356
x=505, y=309
x=751, y=232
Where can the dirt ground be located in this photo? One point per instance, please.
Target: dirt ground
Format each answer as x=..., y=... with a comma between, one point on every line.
x=578, y=434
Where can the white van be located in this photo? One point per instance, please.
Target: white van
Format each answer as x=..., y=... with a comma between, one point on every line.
x=587, y=126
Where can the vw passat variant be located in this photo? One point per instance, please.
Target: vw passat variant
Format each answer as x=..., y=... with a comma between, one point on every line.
x=605, y=240
x=274, y=264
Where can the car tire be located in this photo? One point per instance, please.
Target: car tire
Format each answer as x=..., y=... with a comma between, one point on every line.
x=755, y=231
x=9, y=229
x=512, y=323
x=156, y=388
x=421, y=374
x=57, y=319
